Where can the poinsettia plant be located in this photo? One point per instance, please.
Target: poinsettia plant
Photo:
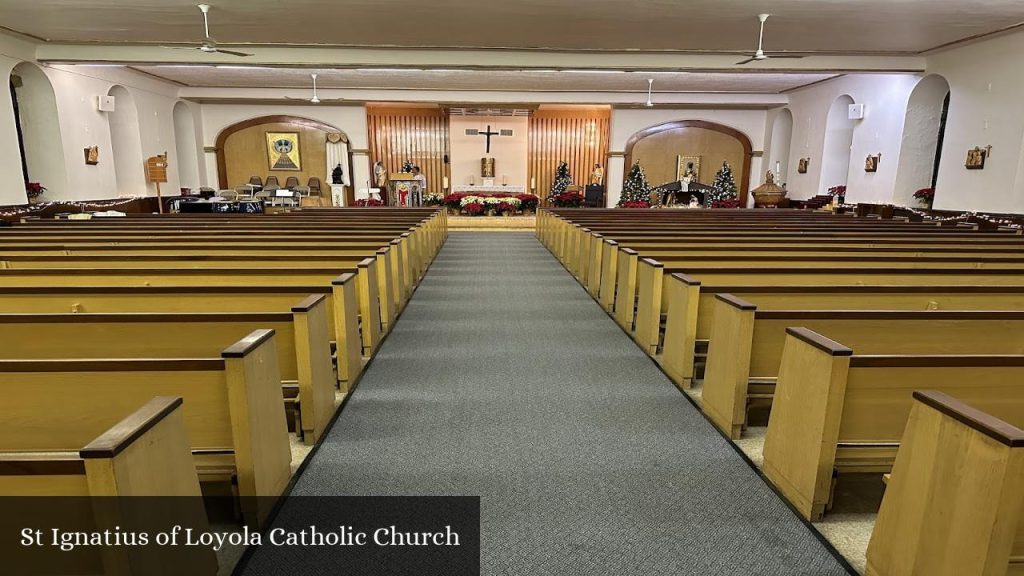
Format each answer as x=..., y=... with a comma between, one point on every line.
x=635, y=204
x=473, y=208
x=506, y=207
x=925, y=194
x=727, y=203
x=34, y=190
x=528, y=201
x=372, y=202
x=568, y=200
x=837, y=191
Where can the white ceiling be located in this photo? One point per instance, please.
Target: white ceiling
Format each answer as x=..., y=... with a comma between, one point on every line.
x=830, y=26
x=503, y=80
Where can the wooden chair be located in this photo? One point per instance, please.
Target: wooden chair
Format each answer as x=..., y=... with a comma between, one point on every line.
x=256, y=181
x=291, y=182
x=315, y=186
x=272, y=184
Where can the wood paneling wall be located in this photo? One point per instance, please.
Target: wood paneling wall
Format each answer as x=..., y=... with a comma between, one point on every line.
x=245, y=154
x=578, y=137
x=416, y=134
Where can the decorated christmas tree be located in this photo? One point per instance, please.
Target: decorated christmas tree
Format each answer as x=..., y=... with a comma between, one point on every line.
x=636, y=188
x=723, y=189
x=562, y=180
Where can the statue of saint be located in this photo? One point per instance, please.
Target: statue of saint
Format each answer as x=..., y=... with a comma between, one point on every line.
x=694, y=203
x=597, y=176
x=337, y=175
x=380, y=175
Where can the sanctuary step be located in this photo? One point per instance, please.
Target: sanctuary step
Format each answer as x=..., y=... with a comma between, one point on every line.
x=492, y=223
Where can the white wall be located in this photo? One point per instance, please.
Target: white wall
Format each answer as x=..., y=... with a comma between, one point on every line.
x=986, y=108
x=920, y=139
x=37, y=110
x=187, y=145
x=12, y=185
x=627, y=122
x=350, y=119
x=885, y=98
x=509, y=152
x=778, y=140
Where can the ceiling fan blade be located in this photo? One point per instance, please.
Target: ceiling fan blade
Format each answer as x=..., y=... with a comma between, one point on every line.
x=297, y=99
x=747, y=61
x=180, y=47
x=233, y=53
x=773, y=56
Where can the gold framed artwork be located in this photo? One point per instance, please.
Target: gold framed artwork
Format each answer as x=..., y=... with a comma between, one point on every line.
x=976, y=158
x=688, y=165
x=92, y=155
x=871, y=163
x=283, y=151
x=801, y=166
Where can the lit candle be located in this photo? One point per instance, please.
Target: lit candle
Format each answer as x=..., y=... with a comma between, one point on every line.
x=444, y=182
x=504, y=180
x=778, y=167
x=472, y=179
x=533, y=183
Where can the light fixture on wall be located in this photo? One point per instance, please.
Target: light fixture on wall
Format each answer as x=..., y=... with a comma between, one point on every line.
x=650, y=85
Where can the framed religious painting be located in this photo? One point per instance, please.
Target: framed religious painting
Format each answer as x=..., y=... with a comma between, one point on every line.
x=688, y=165
x=871, y=163
x=976, y=158
x=801, y=166
x=283, y=151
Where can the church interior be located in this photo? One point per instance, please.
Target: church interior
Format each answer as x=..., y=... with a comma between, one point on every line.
x=706, y=287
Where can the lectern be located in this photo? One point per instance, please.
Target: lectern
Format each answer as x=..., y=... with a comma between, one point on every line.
x=400, y=188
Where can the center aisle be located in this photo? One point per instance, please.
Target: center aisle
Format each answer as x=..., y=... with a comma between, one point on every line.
x=503, y=379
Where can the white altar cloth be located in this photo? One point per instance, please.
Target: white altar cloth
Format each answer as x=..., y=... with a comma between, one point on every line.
x=490, y=189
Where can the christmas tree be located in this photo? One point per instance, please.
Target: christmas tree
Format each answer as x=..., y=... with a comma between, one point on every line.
x=562, y=180
x=636, y=188
x=723, y=189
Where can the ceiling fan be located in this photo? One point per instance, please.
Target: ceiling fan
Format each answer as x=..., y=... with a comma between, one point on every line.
x=760, y=55
x=209, y=45
x=315, y=99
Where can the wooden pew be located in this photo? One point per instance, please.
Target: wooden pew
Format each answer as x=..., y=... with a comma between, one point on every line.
x=232, y=411
x=144, y=454
x=304, y=354
x=367, y=292
x=955, y=502
x=835, y=411
x=746, y=351
x=690, y=315
x=340, y=305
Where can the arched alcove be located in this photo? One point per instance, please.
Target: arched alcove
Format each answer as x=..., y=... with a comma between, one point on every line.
x=835, y=161
x=126, y=144
x=39, y=130
x=242, y=150
x=185, y=146
x=781, y=142
x=657, y=149
x=923, y=131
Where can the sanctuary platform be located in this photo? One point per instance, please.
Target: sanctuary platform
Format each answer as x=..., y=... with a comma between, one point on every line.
x=492, y=223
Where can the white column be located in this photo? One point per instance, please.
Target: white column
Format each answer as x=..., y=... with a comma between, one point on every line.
x=361, y=177
x=613, y=176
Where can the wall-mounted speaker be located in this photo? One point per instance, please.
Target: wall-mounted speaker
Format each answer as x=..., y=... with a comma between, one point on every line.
x=446, y=159
x=856, y=112
x=105, y=103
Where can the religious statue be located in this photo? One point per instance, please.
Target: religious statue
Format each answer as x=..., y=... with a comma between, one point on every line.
x=337, y=175
x=694, y=203
x=380, y=175
x=597, y=176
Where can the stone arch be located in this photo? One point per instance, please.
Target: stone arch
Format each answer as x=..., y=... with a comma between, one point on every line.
x=43, y=150
x=921, y=144
x=744, y=150
x=126, y=144
x=835, y=157
x=185, y=146
x=222, y=137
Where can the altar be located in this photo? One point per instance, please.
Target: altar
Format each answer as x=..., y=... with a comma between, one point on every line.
x=496, y=189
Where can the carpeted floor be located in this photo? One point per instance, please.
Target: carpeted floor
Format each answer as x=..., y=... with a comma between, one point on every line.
x=503, y=379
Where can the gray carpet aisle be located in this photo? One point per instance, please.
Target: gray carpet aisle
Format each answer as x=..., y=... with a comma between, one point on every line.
x=503, y=379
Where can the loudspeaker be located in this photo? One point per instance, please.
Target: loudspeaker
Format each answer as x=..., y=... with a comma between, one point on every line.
x=856, y=112
x=105, y=103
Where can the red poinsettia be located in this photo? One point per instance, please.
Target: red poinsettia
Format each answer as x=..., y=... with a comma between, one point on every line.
x=506, y=207
x=730, y=203
x=474, y=208
x=635, y=204
x=34, y=190
x=837, y=191
x=372, y=202
x=568, y=200
x=926, y=194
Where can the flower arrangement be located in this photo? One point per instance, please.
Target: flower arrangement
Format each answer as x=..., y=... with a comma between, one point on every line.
x=635, y=204
x=34, y=190
x=372, y=202
x=508, y=208
x=407, y=166
x=837, y=191
x=473, y=208
x=527, y=201
x=925, y=195
x=727, y=203
x=433, y=199
x=567, y=200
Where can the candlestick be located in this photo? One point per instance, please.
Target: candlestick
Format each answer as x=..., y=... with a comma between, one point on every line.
x=778, y=167
x=504, y=180
x=444, y=182
x=533, y=183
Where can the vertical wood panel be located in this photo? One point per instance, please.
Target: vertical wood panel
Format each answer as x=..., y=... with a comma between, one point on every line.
x=579, y=137
x=416, y=134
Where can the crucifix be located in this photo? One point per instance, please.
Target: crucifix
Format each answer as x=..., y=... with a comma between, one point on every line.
x=488, y=134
